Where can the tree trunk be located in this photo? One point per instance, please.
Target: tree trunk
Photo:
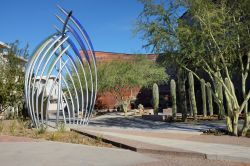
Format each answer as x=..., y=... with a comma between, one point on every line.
x=229, y=124
x=235, y=122
x=219, y=95
x=231, y=115
x=246, y=124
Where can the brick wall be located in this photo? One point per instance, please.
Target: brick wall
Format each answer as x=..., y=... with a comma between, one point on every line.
x=107, y=99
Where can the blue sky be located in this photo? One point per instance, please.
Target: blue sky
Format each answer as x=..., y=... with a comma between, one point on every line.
x=109, y=23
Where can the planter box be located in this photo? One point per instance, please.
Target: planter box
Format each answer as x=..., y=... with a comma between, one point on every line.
x=148, y=112
x=2, y=117
x=156, y=117
x=167, y=111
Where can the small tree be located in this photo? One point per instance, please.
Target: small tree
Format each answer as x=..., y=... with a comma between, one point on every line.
x=212, y=36
x=12, y=77
x=117, y=76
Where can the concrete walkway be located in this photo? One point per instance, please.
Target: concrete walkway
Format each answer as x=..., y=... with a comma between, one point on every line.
x=19, y=151
x=217, y=151
x=212, y=151
x=117, y=120
x=63, y=154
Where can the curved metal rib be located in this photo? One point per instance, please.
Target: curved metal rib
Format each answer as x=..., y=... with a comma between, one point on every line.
x=33, y=62
x=90, y=46
x=50, y=71
x=69, y=74
x=54, y=82
x=28, y=75
x=84, y=73
x=41, y=76
x=80, y=42
x=44, y=61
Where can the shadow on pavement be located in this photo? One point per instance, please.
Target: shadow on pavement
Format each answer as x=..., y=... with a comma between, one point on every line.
x=138, y=123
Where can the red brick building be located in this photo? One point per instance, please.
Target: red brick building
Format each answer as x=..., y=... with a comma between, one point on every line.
x=111, y=56
x=107, y=99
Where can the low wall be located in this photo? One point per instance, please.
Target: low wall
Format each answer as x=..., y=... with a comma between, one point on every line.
x=107, y=100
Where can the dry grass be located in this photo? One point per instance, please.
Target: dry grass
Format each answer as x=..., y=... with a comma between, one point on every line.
x=21, y=128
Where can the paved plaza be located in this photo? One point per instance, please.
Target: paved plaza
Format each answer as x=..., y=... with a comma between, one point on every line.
x=141, y=142
x=170, y=137
x=63, y=154
x=16, y=151
x=117, y=120
x=216, y=151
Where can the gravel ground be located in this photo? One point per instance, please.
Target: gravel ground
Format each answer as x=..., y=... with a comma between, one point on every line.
x=7, y=138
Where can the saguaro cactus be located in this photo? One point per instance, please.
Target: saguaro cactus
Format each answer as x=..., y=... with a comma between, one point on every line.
x=204, y=98
x=173, y=98
x=155, y=98
x=192, y=94
x=210, y=99
x=182, y=78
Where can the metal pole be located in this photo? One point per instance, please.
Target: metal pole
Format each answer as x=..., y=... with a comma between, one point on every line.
x=59, y=98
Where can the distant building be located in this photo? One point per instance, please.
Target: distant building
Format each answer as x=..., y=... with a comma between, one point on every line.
x=3, y=46
x=39, y=90
x=4, y=50
x=102, y=56
x=40, y=85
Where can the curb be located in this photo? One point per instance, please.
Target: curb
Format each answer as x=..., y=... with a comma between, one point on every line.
x=143, y=149
x=228, y=158
x=97, y=137
x=147, y=148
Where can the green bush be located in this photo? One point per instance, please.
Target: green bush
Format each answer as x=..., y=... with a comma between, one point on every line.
x=1, y=126
x=61, y=127
x=116, y=76
x=42, y=129
x=13, y=127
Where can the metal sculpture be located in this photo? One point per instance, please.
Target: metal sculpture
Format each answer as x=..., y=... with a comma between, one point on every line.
x=61, y=77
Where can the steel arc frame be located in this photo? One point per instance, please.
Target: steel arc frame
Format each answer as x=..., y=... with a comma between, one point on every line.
x=61, y=82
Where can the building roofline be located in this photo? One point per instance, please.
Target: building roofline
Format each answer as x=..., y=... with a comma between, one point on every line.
x=21, y=58
x=5, y=45
x=120, y=53
x=44, y=77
